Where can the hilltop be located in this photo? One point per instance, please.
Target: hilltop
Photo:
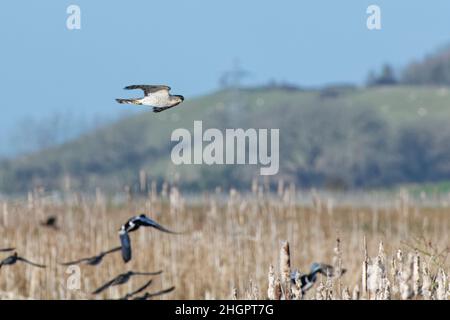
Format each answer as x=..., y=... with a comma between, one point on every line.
x=340, y=137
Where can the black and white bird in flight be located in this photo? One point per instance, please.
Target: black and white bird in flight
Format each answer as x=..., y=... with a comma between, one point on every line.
x=7, y=249
x=148, y=295
x=92, y=261
x=15, y=258
x=139, y=290
x=306, y=281
x=123, y=278
x=132, y=225
x=156, y=96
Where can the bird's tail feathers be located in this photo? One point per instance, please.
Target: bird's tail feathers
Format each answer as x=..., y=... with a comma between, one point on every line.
x=127, y=101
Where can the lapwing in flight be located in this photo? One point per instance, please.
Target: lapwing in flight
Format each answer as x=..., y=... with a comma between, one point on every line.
x=139, y=290
x=92, y=261
x=148, y=295
x=132, y=225
x=15, y=258
x=307, y=280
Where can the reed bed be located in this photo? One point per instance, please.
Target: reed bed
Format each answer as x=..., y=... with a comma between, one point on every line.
x=230, y=246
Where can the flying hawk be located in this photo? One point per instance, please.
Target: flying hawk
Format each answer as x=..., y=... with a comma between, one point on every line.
x=156, y=96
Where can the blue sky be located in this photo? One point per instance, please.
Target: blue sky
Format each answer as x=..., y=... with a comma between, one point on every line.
x=44, y=67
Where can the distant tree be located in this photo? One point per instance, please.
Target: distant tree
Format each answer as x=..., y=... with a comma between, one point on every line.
x=432, y=70
x=386, y=77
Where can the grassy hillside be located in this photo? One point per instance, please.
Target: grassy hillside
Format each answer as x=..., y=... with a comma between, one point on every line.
x=338, y=137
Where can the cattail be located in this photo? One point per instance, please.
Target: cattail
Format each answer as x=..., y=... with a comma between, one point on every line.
x=364, y=268
x=337, y=263
x=376, y=275
x=398, y=267
x=277, y=291
x=416, y=274
x=271, y=289
x=320, y=292
x=285, y=268
x=234, y=294
x=441, y=290
x=381, y=253
x=394, y=274
x=406, y=291
x=426, y=282
x=355, y=293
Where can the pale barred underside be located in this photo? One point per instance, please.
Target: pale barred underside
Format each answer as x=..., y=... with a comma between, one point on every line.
x=159, y=98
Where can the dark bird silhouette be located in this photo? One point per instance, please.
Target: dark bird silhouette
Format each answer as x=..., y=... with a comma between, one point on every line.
x=123, y=278
x=92, y=261
x=308, y=280
x=50, y=222
x=132, y=225
x=14, y=258
x=7, y=249
x=139, y=290
x=148, y=295
x=156, y=96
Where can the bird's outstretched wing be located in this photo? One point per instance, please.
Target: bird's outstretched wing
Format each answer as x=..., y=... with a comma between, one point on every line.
x=30, y=263
x=147, y=273
x=7, y=249
x=126, y=246
x=155, y=294
x=105, y=286
x=139, y=290
x=145, y=221
x=111, y=250
x=70, y=263
x=149, y=89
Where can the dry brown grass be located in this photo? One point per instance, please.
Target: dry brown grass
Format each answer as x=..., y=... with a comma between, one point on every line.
x=227, y=247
